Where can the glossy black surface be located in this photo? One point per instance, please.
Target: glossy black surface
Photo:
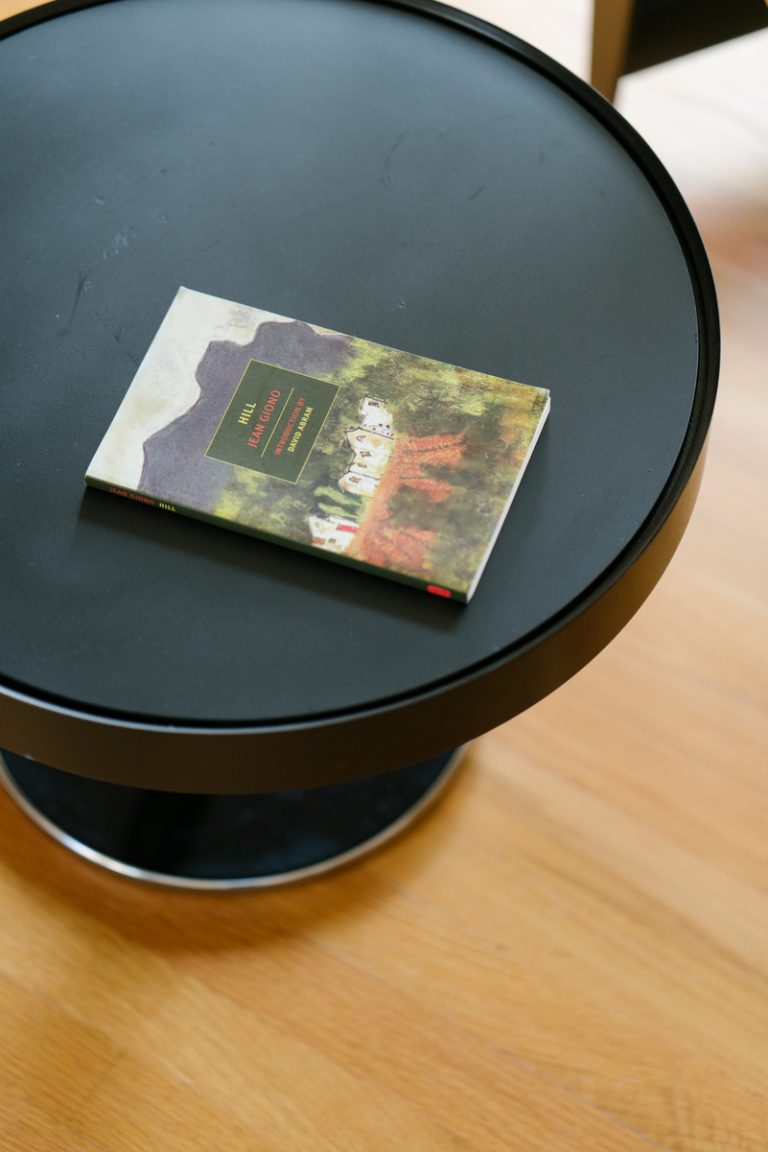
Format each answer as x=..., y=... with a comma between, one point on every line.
x=223, y=839
x=362, y=167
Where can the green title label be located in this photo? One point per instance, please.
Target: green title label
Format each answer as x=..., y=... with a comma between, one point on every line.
x=272, y=421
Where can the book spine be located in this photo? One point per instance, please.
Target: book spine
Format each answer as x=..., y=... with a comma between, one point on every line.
x=295, y=545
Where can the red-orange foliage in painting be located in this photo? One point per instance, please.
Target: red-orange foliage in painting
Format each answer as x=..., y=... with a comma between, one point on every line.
x=386, y=544
x=379, y=539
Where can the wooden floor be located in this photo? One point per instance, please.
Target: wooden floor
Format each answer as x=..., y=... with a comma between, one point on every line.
x=570, y=953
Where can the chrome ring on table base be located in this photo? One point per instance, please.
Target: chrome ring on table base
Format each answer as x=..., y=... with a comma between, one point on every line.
x=223, y=842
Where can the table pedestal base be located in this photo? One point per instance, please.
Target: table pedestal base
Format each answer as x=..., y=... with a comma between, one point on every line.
x=201, y=841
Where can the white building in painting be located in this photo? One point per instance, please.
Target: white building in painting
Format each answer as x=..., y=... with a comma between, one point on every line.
x=372, y=451
x=359, y=483
x=334, y=533
x=372, y=443
x=375, y=416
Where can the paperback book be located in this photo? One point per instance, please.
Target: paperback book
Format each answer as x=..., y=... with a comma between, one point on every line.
x=330, y=444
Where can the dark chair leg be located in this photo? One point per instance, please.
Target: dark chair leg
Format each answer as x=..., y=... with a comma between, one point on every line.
x=611, y=27
x=628, y=35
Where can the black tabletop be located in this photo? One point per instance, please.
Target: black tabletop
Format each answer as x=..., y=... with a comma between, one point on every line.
x=392, y=171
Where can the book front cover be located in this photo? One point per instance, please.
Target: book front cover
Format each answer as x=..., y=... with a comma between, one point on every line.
x=369, y=455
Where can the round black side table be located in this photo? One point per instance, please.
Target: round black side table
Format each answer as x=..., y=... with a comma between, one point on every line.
x=192, y=706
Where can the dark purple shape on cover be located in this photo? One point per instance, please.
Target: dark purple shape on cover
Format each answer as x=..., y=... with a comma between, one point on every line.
x=171, y=456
